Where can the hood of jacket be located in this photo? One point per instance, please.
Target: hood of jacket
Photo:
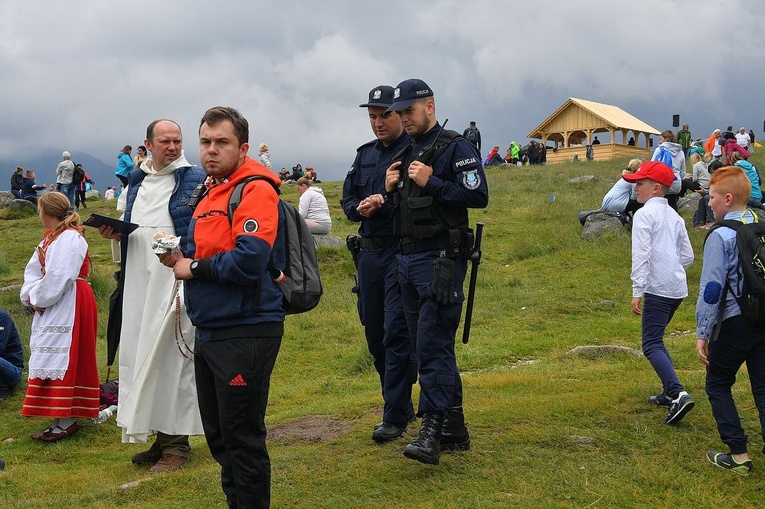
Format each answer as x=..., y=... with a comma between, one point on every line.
x=673, y=148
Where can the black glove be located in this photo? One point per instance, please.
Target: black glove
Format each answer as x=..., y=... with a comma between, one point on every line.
x=443, y=280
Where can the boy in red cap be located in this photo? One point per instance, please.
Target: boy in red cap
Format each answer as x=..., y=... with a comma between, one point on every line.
x=661, y=251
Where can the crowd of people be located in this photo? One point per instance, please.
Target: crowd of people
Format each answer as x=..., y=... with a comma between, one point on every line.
x=71, y=180
x=188, y=368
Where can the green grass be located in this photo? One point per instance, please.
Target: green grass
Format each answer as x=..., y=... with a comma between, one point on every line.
x=548, y=429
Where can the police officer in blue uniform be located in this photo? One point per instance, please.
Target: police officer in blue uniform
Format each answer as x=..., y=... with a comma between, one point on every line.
x=380, y=306
x=431, y=188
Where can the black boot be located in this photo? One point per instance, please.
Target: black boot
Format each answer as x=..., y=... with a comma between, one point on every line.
x=454, y=434
x=425, y=448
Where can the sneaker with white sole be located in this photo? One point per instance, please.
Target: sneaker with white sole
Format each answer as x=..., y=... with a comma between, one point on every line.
x=679, y=407
x=726, y=461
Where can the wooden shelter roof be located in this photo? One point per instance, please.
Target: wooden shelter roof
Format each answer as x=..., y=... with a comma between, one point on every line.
x=612, y=116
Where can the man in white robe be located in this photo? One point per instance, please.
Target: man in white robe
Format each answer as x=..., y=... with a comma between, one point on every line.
x=157, y=392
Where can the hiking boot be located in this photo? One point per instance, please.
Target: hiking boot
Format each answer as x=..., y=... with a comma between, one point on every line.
x=149, y=457
x=5, y=392
x=426, y=448
x=454, y=434
x=388, y=431
x=726, y=461
x=660, y=400
x=679, y=407
x=168, y=463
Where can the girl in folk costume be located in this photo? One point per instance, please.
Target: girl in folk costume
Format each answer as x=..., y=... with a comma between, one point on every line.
x=63, y=376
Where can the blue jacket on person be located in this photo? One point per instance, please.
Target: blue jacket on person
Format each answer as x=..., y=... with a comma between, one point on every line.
x=10, y=343
x=186, y=180
x=124, y=164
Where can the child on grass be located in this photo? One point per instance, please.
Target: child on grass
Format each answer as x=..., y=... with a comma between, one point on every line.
x=661, y=251
x=737, y=340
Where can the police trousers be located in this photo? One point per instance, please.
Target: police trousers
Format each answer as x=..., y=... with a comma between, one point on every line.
x=386, y=331
x=434, y=327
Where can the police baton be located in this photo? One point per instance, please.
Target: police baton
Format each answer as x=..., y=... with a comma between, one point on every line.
x=475, y=259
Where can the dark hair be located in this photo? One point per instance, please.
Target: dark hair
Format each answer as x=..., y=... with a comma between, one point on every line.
x=128, y=148
x=715, y=165
x=150, y=129
x=218, y=114
x=141, y=147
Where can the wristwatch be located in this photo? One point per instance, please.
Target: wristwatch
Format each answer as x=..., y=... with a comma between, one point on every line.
x=194, y=268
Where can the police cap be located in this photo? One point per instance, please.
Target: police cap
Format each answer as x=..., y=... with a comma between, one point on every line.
x=407, y=92
x=381, y=96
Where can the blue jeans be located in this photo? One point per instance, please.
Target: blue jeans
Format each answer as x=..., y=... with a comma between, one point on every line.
x=10, y=375
x=657, y=313
x=68, y=190
x=737, y=343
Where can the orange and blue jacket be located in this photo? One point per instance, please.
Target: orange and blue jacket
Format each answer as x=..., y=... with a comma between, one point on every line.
x=234, y=287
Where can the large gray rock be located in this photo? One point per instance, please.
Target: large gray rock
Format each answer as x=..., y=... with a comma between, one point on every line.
x=6, y=197
x=584, y=178
x=598, y=224
x=22, y=205
x=331, y=241
x=93, y=193
x=689, y=201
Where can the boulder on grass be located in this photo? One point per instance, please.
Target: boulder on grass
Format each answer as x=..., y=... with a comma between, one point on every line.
x=331, y=241
x=93, y=193
x=689, y=201
x=6, y=197
x=600, y=223
x=17, y=204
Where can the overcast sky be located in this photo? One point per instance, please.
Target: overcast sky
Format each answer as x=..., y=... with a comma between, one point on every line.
x=90, y=75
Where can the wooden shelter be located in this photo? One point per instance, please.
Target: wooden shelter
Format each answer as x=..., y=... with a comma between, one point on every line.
x=572, y=126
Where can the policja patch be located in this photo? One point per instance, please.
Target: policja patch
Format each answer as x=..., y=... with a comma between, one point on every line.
x=250, y=226
x=471, y=179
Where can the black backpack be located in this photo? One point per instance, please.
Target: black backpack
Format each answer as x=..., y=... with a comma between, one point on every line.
x=298, y=274
x=472, y=134
x=78, y=176
x=750, y=240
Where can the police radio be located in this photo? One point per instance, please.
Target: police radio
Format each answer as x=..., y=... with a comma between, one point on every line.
x=426, y=155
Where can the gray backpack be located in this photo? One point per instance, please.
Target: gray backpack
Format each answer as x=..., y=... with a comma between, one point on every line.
x=294, y=265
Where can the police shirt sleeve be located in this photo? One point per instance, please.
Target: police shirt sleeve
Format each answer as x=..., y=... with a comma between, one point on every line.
x=350, y=201
x=463, y=180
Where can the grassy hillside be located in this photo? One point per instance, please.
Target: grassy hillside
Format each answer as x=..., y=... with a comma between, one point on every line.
x=549, y=429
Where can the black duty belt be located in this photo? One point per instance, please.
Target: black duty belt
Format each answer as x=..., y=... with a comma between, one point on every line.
x=378, y=242
x=412, y=245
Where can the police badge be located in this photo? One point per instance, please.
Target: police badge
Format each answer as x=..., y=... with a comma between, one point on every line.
x=471, y=179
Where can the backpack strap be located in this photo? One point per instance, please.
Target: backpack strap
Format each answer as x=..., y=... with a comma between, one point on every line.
x=236, y=195
x=233, y=203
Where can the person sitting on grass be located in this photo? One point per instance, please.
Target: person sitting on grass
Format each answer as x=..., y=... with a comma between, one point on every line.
x=621, y=197
x=661, y=251
x=703, y=219
x=725, y=339
x=11, y=355
x=313, y=207
x=750, y=170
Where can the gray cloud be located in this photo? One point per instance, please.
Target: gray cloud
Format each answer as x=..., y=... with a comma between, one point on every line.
x=92, y=74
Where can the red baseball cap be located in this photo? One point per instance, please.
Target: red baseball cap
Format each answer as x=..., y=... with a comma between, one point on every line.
x=653, y=170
